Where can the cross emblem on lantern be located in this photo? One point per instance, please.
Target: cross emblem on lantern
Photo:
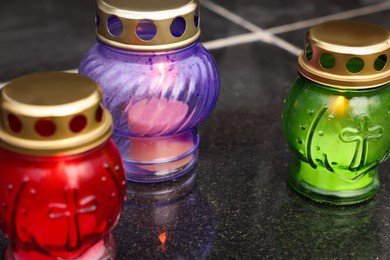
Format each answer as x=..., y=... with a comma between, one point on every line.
x=361, y=135
x=71, y=210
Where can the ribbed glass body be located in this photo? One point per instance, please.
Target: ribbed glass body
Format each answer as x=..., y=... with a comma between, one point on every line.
x=157, y=99
x=339, y=137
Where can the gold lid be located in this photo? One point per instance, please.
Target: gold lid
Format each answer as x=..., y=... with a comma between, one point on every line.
x=53, y=113
x=347, y=54
x=148, y=25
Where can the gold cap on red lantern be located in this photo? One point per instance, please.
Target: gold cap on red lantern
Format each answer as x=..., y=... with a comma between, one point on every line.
x=148, y=25
x=53, y=113
x=347, y=54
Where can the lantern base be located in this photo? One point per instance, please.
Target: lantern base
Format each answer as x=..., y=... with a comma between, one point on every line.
x=326, y=187
x=105, y=249
x=158, y=159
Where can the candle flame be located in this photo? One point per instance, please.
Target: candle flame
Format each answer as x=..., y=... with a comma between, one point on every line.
x=339, y=106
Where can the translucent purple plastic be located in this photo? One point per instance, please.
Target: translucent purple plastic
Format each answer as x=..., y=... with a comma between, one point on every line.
x=157, y=99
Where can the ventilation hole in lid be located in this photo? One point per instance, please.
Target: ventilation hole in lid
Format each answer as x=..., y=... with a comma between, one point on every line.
x=114, y=26
x=99, y=114
x=14, y=123
x=308, y=52
x=45, y=127
x=146, y=30
x=355, y=65
x=178, y=27
x=78, y=123
x=380, y=62
x=327, y=61
x=196, y=17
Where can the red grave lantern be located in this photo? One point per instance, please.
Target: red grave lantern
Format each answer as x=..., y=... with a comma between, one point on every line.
x=62, y=182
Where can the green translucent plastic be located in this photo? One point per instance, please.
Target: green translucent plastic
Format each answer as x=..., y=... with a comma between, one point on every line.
x=339, y=137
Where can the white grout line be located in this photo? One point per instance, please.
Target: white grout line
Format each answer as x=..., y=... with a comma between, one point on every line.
x=343, y=15
x=249, y=37
x=230, y=16
x=252, y=37
x=260, y=33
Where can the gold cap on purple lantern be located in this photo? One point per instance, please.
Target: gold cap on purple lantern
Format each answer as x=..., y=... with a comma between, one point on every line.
x=148, y=25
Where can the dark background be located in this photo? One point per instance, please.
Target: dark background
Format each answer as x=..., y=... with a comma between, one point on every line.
x=236, y=204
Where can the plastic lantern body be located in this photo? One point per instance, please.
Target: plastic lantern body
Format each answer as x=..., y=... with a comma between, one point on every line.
x=335, y=117
x=52, y=206
x=339, y=138
x=159, y=83
x=62, y=179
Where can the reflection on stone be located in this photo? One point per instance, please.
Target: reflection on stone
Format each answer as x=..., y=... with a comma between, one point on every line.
x=307, y=230
x=168, y=220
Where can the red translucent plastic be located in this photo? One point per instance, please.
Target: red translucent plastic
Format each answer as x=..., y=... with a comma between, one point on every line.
x=99, y=114
x=14, y=123
x=60, y=206
x=78, y=123
x=45, y=127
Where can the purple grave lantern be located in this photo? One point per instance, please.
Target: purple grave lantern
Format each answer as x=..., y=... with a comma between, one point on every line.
x=159, y=83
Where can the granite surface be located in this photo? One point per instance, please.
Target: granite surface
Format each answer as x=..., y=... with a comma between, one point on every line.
x=236, y=204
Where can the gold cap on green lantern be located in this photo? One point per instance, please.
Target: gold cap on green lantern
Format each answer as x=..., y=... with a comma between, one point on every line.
x=148, y=25
x=346, y=54
x=53, y=113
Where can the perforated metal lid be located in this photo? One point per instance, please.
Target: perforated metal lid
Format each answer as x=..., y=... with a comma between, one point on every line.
x=347, y=54
x=148, y=25
x=53, y=113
